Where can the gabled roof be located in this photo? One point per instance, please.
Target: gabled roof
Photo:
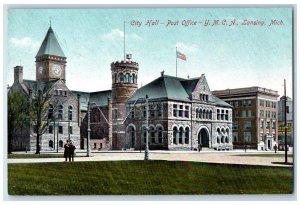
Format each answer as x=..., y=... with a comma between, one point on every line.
x=169, y=87
x=42, y=85
x=50, y=45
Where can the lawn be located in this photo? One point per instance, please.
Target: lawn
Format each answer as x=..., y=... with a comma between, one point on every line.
x=146, y=178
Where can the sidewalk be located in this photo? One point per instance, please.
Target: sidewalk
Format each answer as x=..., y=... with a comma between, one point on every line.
x=225, y=157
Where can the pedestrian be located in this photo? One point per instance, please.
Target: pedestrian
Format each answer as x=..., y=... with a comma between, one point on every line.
x=245, y=148
x=275, y=148
x=66, y=151
x=71, y=152
x=199, y=147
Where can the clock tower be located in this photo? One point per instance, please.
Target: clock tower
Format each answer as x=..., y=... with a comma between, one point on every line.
x=50, y=59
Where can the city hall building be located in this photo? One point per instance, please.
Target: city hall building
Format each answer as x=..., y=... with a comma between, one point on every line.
x=182, y=113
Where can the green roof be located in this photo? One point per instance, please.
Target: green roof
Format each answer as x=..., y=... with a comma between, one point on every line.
x=50, y=45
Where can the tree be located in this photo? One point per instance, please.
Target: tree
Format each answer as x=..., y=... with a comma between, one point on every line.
x=39, y=106
x=17, y=115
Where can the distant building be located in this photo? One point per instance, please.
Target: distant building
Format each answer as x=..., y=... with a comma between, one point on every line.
x=255, y=112
x=289, y=120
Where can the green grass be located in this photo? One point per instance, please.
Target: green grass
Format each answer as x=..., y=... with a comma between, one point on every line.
x=146, y=177
x=28, y=156
x=265, y=155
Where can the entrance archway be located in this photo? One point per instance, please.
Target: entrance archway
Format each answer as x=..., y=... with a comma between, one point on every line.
x=203, y=137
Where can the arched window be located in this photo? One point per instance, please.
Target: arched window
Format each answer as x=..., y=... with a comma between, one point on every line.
x=197, y=113
x=152, y=134
x=60, y=112
x=131, y=133
x=133, y=78
x=226, y=139
x=210, y=115
x=160, y=135
x=60, y=143
x=175, y=132
x=222, y=139
x=227, y=131
x=218, y=131
x=218, y=140
x=127, y=78
x=180, y=135
x=51, y=143
x=204, y=114
x=116, y=79
x=187, y=135
x=70, y=112
x=201, y=114
x=50, y=111
x=121, y=78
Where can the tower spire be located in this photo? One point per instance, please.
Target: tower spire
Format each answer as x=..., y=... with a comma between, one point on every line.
x=50, y=21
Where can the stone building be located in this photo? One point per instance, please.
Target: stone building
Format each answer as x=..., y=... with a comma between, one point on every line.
x=64, y=104
x=255, y=116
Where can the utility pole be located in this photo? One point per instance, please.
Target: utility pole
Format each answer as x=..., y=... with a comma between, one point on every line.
x=88, y=146
x=285, y=130
x=147, y=130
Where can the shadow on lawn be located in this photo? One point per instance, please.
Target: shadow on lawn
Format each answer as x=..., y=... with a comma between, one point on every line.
x=283, y=163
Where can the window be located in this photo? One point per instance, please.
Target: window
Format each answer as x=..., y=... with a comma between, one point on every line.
x=247, y=136
x=121, y=78
x=160, y=135
x=175, y=132
x=50, y=111
x=133, y=78
x=127, y=80
x=60, y=129
x=261, y=124
x=159, y=110
x=235, y=137
x=268, y=125
x=187, y=112
x=210, y=115
x=175, y=110
x=236, y=113
x=70, y=117
x=180, y=113
x=261, y=103
x=60, y=143
x=51, y=143
x=70, y=130
x=218, y=114
x=273, y=115
x=51, y=129
x=187, y=135
x=244, y=113
x=60, y=92
x=247, y=125
x=261, y=113
x=151, y=110
x=249, y=113
x=287, y=109
x=181, y=135
x=244, y=103
x=60, y=112
x=222, y=114
x=95, y=145
x=237, y=103
x=115, y=78
x=235, y=126
x=273, y=125
x=227, y=115
x=152, y=134
x=65, y=93
x=249, y=103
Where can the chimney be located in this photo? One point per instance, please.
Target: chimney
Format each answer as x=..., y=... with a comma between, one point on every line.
x=18, y=74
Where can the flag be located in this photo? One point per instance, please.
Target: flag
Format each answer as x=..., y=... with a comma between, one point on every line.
x=181, y=56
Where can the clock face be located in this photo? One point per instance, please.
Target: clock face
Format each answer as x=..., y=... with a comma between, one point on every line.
x=56, y=69
x=41, y=69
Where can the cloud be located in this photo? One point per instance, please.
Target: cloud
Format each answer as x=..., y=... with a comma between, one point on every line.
x=117, y=34
x=187, y=47
x=25, y=42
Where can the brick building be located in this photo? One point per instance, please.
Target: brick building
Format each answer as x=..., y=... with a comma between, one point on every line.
x=289, y=120
x=255, y=116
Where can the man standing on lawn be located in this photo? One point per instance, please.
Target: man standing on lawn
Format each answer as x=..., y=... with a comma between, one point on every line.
x=67, y=150
x=71, y=152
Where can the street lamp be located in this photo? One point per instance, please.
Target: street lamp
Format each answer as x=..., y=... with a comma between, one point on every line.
x=147, y=131
x=88, y=151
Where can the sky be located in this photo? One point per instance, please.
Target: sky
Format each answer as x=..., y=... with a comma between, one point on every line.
x=229, y=56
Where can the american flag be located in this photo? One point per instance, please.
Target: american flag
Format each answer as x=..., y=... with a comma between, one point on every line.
x=181, y=56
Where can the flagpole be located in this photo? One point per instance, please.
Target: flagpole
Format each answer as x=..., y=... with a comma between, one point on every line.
x=176, y=61
x=124, y=42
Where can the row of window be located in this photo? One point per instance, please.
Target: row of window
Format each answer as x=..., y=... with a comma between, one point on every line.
x=222, y=139
x=203, y=97
x=222, y=114
x=245, y=113
x=203, y=114
x=60, y=143
x=155, y=135
x=51, y=130
x=243, y=103
x=268, y=123
x=267, y=103
x=247, y=125
x=262, y=114
x=246, y=137
x=124, y=78
x=181, y=111
x=60, y=112
x=181, y=135
x=60, y=92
